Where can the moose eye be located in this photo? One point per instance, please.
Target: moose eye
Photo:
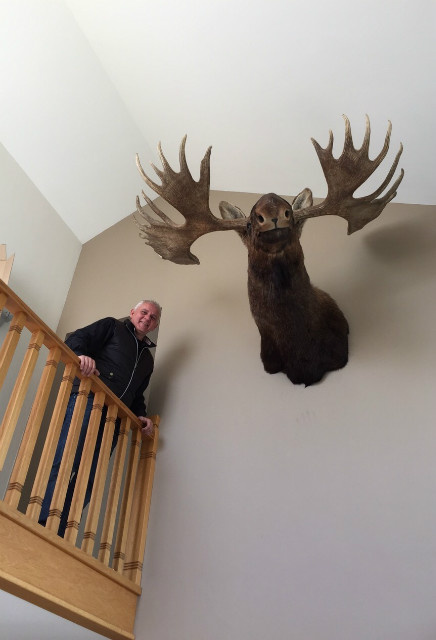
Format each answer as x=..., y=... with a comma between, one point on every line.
x=261, y=218
x=287, y=213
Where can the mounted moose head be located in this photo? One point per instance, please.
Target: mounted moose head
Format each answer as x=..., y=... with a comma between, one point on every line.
x=303, y=332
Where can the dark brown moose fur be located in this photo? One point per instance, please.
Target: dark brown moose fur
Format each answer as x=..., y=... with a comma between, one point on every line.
x=303, y=332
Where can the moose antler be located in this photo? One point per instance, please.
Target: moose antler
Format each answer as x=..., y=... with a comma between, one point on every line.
x=191, y=199
x=345, y=174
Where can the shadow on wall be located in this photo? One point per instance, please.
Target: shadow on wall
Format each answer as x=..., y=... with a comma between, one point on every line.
x=400, y=261
x=165, y=371
x=411, y=242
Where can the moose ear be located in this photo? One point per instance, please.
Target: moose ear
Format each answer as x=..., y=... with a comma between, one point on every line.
x=229, y=211
x=303, y=200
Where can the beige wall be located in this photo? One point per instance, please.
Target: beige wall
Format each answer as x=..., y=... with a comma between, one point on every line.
x=278, y=511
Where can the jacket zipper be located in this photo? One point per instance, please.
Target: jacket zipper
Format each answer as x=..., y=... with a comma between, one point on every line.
x=138, y=355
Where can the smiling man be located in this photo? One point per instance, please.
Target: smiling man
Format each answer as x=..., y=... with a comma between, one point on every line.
x=119, y=353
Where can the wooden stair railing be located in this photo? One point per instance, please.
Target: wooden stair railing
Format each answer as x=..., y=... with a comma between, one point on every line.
x=103, y=553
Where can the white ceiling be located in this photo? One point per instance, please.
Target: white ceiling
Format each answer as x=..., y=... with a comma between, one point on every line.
x=85, y=84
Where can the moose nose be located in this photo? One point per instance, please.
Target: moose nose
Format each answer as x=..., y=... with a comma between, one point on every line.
x=275, y=220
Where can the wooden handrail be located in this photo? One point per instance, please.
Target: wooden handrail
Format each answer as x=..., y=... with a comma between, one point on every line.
x=10, y=301
x=127, y=483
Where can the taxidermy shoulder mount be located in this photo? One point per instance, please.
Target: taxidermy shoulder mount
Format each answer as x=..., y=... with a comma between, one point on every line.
x=303, y=332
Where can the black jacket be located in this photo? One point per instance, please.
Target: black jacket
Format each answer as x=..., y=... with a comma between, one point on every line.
x=125, y=363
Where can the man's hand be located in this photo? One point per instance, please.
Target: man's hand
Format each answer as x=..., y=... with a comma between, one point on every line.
x=87, y=366
x=147, y=426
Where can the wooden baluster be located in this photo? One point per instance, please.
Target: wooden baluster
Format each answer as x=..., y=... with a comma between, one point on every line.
x=114, y=492
x=47, y=456
x=3, y=300
x=137, y=537
x=10, y=343
x=16, y=400
x=57, y=503
x=21, y=467
x=99, y=481
x=126, y=506
x=76, y=508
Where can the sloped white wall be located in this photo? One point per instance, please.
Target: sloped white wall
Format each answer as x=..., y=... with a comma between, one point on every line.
x=280, y=511
x=63, y=120
x=46, y=250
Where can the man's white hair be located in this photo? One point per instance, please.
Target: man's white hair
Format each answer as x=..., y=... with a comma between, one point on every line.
x=153, y=302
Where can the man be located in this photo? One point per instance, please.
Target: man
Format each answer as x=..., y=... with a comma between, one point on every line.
x=117, y=352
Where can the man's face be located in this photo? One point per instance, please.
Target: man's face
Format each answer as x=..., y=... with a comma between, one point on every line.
x=145, y=318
